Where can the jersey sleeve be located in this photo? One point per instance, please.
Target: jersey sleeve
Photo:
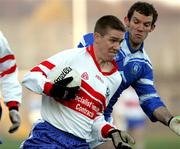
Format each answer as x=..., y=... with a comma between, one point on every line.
x=38, y=80
x=11, y=88
x=101, y=128
x=148, y=96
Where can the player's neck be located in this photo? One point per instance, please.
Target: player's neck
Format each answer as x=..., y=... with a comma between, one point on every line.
x=105, y=66
x=134, y=46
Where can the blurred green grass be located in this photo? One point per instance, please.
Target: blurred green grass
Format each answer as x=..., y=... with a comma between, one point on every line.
x=157, y=142
x=162, y=142
x=10, y=143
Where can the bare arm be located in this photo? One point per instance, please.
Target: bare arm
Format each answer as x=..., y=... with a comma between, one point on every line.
x=163, y=115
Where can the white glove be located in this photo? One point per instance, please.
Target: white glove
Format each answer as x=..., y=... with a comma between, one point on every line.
x=15, y=120
x=121, y=139
x=174, y=125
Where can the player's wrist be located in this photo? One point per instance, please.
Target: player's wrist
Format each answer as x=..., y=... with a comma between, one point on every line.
x=105, y=131
x=13, y=105
x=170, y=120
x=174, y=125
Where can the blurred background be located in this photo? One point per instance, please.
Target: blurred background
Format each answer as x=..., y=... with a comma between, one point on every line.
x=37, y=29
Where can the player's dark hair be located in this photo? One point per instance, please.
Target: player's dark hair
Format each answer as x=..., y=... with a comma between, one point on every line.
x=143, y=8
x=108, y=22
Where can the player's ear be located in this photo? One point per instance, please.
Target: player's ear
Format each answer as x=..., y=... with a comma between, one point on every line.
x=126, y=21
x=152, y=27
x=96, y=37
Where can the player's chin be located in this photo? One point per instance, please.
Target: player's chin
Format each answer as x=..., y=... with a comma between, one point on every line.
x=112, y=55
x=138, y=40
x=110, y=58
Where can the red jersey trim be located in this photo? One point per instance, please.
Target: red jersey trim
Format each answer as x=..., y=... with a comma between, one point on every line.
x=12, y=104
x=105, y=130
x=47, y=88
x=90, y=49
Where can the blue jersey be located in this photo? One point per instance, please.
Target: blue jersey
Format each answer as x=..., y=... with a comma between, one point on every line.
x=136, y=70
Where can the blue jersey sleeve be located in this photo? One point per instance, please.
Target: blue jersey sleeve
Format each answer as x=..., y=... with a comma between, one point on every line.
x=86, y=41
x=113, y=100
x=145, y=89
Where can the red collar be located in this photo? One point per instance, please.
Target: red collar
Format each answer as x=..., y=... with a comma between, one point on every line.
x=90, y=50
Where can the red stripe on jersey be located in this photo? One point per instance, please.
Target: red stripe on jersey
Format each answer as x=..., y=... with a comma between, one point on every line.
x=37, y=69
x=48, y=65
x=7, y=57
x=94, y=93
x=88, y=102
x=44, y=63
x=8, y=71
x=83, y=104
x=91, y=102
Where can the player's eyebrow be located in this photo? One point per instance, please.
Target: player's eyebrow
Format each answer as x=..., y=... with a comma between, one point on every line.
x=136, y=19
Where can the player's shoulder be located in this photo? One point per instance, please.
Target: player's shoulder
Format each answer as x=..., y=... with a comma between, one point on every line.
x=71, y=53
x=1, y=34
x=139, y=55
x=2, y=38
x=4, y=45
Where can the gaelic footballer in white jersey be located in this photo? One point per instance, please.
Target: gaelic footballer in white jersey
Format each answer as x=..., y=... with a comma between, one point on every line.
x=11, y=88
x=77, y=115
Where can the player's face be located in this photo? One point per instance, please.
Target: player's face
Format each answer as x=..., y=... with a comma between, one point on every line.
x=139, y=26
x=109, y=44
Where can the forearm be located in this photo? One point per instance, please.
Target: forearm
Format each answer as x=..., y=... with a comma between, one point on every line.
x=163, y=115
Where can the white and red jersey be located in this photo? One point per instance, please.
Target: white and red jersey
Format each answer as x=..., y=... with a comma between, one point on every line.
x=76, y=116
x=11, y=88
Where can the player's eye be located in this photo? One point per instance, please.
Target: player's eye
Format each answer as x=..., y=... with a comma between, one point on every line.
x=147, y=24
x=135, y=21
